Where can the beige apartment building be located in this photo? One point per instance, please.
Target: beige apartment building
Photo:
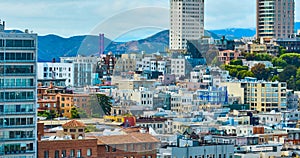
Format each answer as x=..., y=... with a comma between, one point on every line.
x=260, y=95
x=266, y=96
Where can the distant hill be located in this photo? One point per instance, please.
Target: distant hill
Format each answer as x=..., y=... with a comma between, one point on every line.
x=53, y=46
x=233, y=33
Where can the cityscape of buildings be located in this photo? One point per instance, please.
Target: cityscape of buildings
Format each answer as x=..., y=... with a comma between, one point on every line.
x=201, y=98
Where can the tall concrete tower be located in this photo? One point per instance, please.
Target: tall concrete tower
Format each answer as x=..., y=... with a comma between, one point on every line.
x=274, y=19
x=186, y=22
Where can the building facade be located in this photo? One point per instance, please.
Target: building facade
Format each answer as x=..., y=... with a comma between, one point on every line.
x=266, y=96
x=18, y=56
x=187, y=22
x=49, y=70
x=274, y=19
x=84, y=69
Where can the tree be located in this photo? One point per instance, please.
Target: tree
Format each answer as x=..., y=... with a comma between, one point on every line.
x=287, y=73
x=100, y=105
x=282, y=50
x=258, y=57
x=74, y=113
x=244, y=73
x=275, y=78
x=263, y=57
x=78, y=113
x=279, y=62
x=236, y=62
x=291, y=59
x=260, y=72
x=49, y=114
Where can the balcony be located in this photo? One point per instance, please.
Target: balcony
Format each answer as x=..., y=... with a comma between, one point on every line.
x=17, y=152
x=17, y=100
x=17, y=113
x=18, y=48
x=17, y=126
x=18, y=61
x=18, y=87
x=17, y=74
x=27, y=138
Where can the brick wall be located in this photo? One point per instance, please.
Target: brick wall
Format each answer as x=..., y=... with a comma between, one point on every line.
x=68, y=145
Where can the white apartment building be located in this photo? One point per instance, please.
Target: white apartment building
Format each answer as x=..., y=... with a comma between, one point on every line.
x=161, y=66
x=84, y=69
x=186, y=21
x=143, y=96
x=50, y=70
x=178, y=67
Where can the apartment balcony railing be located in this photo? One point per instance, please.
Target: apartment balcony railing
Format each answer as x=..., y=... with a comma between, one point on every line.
x=16, y=152
x=17, y=61
x=17, y=74
x=18, y=48
x=22, y=112
x=24, y=138
x=4, y=126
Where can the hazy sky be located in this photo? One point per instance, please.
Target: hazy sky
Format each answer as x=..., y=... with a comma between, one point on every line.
x=118, y=19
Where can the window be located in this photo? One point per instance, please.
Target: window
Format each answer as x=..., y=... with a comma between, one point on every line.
x=79, y=153
x=72, y=153
x=89, y=152
x=113, y=149
x=106, y=148
x=56, y=154
x=63, y=153
x=72, y=130
x=46, y=154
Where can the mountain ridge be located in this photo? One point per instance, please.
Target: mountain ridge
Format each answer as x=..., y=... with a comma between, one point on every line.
x=54, y=46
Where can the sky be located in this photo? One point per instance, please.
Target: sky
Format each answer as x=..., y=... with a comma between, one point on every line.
x=119, y=20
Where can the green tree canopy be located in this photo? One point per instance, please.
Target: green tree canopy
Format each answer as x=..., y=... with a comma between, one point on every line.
x=244, y=73
x=287, y=73
x=260, y=72
x=236, y=62
x=291, y=59
x=279, y=62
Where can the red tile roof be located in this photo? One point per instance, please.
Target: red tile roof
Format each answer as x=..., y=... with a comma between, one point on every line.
x=73, y=123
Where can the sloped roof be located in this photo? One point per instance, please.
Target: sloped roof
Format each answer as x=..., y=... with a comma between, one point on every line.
x=73, y=123
x=131, y=138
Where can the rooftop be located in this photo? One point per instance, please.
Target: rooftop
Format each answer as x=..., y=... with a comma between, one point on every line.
x=73, y=123
x=131, y=138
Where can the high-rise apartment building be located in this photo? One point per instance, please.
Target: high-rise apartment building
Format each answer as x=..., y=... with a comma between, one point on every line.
x=186, y=22
x=274, y=19
x=18, y=56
